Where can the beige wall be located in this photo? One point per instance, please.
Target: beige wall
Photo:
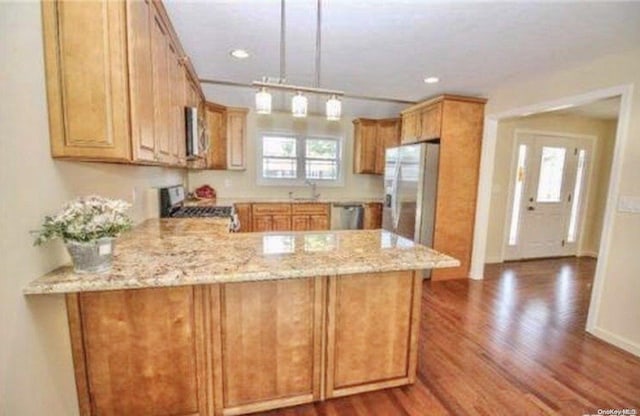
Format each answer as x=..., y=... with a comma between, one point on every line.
x=603, y=130
x=616, y=298
x=36, y=376
x=243, y=183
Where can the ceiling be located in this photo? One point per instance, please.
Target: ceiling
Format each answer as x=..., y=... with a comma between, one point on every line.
x=607, y=109
x=386, y=48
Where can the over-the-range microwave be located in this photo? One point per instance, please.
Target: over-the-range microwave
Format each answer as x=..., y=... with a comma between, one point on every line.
x=192, y=130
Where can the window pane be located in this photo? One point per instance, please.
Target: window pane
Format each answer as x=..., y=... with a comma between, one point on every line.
x=321, y=169
x=279, y=168
x=517, y=195
x=322, y=149
x=575, y=203
x=279, y=146
x=551, y=170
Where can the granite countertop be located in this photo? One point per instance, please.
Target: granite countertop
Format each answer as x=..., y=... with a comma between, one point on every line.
x=175, y=252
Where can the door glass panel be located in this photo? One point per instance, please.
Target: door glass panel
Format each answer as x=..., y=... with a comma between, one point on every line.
x=551, y=170
x=517, y=195
x=575, y=203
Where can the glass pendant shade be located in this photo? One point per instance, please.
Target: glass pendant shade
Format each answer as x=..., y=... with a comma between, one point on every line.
x=299, y=105
x=333, y=108
x=263, y=102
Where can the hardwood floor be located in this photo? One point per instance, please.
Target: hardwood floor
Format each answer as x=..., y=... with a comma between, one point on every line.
x=513, y=344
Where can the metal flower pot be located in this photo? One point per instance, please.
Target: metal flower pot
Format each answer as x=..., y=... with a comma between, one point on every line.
x=92, y=256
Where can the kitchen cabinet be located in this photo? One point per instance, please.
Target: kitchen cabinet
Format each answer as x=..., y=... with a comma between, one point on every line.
x=422, y=123
x=310, y=216
x=286, y=217
x=457, y=122
x=245, y=347
x=271, y=217
x=244, y=216
x=271, y=351
x=114, y=89
x=140, y=352
x=365, y=145
x=236, y=138
x=227, y=131
x=410, y=126
x=371, y=139
x=372, y=332
x=372, y=216
x=216, y=116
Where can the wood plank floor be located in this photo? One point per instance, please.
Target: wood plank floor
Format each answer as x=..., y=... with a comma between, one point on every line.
x=513, y=344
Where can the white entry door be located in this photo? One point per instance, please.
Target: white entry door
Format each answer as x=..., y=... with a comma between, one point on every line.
x=547, y=194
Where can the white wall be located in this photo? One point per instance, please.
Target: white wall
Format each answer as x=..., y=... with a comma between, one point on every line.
x=243, y=183
x=616, y=301
x=36, y=374
x=604, y=132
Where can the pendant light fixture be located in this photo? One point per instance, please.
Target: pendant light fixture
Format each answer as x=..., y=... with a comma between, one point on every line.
x=263, y=101
x=299, y=104
x=333, y=108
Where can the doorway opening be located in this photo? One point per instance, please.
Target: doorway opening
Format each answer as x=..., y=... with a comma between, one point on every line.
x=550, y=182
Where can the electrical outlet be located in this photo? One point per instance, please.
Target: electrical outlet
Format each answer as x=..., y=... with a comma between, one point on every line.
x=629, y=204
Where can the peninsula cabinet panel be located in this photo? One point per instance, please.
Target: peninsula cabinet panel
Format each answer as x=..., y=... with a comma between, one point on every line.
x=372, y=331
x=140, y=352
x=85, y=51
x=271, y=345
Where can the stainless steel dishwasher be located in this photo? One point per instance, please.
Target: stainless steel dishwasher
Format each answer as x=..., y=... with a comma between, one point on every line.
x=347, y=216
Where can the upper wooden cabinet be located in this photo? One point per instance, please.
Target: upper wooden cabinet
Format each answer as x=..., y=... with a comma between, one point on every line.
x=236, y=138
x=423, y=122
x=371, y=138
x=115, y=82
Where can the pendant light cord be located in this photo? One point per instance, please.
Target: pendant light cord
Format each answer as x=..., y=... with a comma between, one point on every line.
x=283, y=40
x=318, y=41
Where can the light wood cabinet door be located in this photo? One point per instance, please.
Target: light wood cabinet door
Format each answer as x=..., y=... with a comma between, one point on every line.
x=372, y=216
x=372, y=331
x=388, y=135
x=318, y=223
x=431, y=122
x=141, y=81
x=365, y=144
x=86, y=67
x=270, y=354
x=216, y=118
x=244, y=216
x=161, y=101
x=262, y=223
x=410, y=127
x=236, y=125
x=176, y=112
x=140, y=352
x=281, y=223
x=300, y=223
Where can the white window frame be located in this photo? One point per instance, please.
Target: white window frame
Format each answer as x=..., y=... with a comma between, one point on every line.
x=300, y=158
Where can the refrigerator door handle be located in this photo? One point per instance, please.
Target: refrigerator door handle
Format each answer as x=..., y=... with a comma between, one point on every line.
x=395, y=211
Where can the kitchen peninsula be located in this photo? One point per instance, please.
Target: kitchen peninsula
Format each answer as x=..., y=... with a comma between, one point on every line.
x=193, y=320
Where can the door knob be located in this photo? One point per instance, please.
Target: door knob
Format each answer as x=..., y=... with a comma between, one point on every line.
x=531, y=209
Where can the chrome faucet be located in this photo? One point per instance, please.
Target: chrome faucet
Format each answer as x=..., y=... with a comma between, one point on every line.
x=314, y=196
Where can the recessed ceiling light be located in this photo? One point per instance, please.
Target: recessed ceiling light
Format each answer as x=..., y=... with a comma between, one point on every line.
x=239, y=53
x=431, y=80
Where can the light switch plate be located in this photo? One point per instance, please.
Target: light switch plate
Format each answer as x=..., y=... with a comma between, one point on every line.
x=629, y=204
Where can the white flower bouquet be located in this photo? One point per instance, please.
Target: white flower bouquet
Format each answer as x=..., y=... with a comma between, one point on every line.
x=86, y=219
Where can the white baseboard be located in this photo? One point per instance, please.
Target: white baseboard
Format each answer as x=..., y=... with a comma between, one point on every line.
x=616, y=340
x=588, y=253
x=493, y=259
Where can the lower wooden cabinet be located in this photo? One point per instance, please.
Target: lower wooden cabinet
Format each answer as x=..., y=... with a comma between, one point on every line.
x=271, y=349
x=372, y=216
x=372, y=331
x=140, y=352
x=237, y=348
x=287, y=217
x=243, y=210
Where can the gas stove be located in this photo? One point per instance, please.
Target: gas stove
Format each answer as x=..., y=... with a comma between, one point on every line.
x=206, y=212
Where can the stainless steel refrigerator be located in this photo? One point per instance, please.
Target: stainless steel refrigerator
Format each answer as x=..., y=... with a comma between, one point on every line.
x=410, y=186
